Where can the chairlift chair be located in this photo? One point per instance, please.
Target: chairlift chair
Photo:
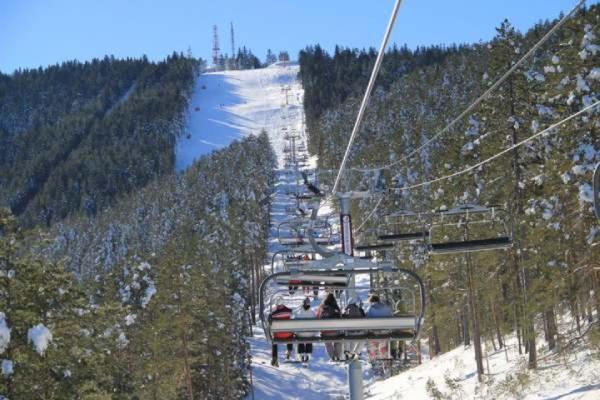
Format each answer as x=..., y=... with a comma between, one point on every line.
x=294, y=234
x=401, y=326
x=468, y=228
x=402, y=226
x=368, y=242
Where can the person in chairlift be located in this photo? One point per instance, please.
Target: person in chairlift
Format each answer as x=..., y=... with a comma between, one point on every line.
x=304, y=312
x=281, y=312
x=377, y=309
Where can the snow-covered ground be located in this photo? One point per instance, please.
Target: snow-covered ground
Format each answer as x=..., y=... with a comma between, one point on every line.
x=229, y=105
x=321, y=379
x=576, y=375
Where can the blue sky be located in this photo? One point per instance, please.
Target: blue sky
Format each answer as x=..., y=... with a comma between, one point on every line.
x=43, y=32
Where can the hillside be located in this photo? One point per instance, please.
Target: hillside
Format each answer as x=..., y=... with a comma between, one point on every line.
x=75, y=137
x=411, y=136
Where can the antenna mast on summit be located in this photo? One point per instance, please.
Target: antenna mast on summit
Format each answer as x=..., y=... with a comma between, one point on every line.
x=215, y=49
x=232, y=42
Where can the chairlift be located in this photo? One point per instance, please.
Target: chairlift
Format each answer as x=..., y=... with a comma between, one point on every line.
x=282, y=257
x=403, y=226
x=403, y=325
x=294, y=234
x=468, y=228
x=368, y=242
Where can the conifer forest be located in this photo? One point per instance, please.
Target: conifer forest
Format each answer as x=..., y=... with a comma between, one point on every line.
x=131, y=272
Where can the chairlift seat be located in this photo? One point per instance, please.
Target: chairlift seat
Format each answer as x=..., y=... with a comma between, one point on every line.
x=498, y=243
x=404, y=323
x=307, y=279
x=377, y=246
x=403, y=236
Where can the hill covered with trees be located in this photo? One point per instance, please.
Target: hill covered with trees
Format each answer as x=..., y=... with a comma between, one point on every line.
x=544, y=186
x=158, y=307
x=76, y=136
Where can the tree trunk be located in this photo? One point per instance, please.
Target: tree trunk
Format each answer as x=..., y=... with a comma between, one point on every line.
x=436, y=348
x=551, y=328
x=465, y=321
x=186, y=365
x=497, y=325
x=475, y=319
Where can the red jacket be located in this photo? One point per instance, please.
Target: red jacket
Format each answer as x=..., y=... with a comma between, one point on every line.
x=282, y=312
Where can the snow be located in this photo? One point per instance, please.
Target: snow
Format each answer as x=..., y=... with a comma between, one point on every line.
x=229, y=105
x=122, y=340
x=586, y=193
x=582, y=85
x=578, y=170
x=320, y=380
x=150, y=291
x=130, y=319
x=588, y=151
x=467, y=148
x=40, y=337
x=4, y=333
x=574, y=376
x=545, y=110
x=7, y=368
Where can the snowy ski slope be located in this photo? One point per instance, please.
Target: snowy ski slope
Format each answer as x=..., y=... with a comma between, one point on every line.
x=321, y=379
x=229, y=105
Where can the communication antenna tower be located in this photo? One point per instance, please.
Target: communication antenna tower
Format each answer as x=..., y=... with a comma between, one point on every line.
x=232, y=42
x=215, y=49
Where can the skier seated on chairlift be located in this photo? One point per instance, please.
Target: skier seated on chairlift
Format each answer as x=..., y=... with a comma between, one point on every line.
x=353, y=310
x=304, y=312
x=281, y=312
x=377, y=309
x=327, y=310
x=397, y=346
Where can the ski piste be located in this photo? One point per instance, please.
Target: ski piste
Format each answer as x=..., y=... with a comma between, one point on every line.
x=319, y=378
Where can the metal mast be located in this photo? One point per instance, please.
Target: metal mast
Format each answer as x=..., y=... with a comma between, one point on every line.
x=215, y=49
x=232, y=42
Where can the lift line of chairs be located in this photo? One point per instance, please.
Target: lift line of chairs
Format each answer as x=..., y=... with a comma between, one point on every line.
x=302, y=265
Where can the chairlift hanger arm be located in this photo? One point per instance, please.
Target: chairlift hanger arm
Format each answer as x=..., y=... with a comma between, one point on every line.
x=597, y=191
